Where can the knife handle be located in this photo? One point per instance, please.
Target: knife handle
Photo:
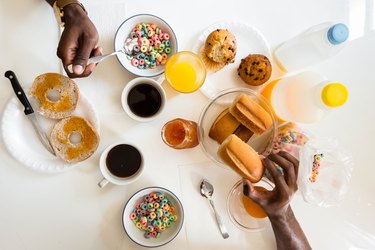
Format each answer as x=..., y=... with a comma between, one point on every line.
x=19, y=92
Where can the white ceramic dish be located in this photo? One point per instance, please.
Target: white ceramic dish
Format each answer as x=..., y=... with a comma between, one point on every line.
x=123, y=32
x=168, y=234
x=249, y=41
x=23, y=144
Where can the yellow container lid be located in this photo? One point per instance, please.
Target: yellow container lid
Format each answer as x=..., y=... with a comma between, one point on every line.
x=335, y=94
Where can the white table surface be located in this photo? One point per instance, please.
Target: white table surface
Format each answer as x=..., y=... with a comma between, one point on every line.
x=69, y=211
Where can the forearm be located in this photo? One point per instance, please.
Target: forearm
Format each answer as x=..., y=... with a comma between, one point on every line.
x=51, y=2
x=288, y=232
x=71, y=10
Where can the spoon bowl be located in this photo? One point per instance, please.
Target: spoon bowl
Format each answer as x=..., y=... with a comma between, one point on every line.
x=206, y=189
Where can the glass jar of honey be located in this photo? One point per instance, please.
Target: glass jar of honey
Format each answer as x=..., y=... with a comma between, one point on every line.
x=180, y=134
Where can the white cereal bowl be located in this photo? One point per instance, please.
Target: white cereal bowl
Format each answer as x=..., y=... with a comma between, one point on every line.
x=168, y=234
x=123, y=32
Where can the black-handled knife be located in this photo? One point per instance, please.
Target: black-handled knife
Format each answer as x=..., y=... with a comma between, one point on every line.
x=19, y=92
x=29, y=112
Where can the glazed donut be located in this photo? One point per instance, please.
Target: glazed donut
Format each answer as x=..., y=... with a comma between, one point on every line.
x=63, y=145
x=65, y=103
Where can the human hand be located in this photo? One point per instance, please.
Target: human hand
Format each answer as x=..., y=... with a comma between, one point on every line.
x=276, y=202
x=78, y=42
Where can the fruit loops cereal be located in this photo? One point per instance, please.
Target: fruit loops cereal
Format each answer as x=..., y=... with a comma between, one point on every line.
x=316, y=165
x=148, y=45
x=153, y=214
x=289, y=134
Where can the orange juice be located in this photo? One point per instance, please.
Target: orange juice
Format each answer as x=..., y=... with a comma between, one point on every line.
x=267, y=94
x=253, y=208
x=185, y=72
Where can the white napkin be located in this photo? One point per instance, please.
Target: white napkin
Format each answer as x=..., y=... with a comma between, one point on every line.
x=201, y=228
x=107, y=17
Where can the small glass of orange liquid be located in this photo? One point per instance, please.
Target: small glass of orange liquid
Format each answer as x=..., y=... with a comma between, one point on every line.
x=185, y=72
x=252, y=208
x=245, y=213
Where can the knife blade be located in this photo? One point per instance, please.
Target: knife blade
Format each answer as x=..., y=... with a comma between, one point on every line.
x=29, y=112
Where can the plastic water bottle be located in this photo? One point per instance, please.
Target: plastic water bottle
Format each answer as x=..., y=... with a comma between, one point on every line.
x=315, y=45
x=305, y=97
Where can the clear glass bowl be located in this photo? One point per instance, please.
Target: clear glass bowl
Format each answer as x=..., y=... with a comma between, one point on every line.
x=261, y=143
x=237, y=212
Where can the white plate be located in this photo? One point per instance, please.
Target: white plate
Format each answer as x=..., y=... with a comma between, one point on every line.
x=22, y=142
x=123, y=32
x=249, y=41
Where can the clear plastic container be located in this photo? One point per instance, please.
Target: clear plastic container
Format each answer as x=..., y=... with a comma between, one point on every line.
x=324, y=172
x=315, y=45
x=305, y=97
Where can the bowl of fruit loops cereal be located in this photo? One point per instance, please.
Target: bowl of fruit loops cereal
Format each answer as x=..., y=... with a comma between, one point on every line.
x=153, y=217
x=148, y=41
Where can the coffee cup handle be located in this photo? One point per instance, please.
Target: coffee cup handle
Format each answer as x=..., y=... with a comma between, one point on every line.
x=103, y=183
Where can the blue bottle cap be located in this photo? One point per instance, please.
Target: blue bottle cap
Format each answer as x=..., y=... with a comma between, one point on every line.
x=338, y=33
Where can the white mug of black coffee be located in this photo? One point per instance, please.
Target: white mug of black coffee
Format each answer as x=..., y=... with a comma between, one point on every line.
x=121, y=164
x=143, y=99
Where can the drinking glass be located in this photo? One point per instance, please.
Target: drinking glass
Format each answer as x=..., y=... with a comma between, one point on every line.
x=185, y=72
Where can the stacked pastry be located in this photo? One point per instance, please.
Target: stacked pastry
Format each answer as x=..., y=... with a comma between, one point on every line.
x=233, y=128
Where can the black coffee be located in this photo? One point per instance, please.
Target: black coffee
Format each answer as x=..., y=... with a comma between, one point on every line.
x=144, y=100
x=123, y=160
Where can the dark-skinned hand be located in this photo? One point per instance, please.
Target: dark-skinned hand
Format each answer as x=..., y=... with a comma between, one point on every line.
x=277, y=201
x=78, y=42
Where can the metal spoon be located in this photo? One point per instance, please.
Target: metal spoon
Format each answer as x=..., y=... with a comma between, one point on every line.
x=97, y=59
x=207, y=190
x=129, y=49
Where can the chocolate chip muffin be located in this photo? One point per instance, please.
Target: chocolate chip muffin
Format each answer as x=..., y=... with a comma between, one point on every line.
x=219, y=49
x=255, y=69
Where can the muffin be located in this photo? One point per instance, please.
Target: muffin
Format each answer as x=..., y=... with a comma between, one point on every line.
x=219, y=49
x=255, y=69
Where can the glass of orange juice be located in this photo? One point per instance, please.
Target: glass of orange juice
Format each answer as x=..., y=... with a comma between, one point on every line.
x=185, y=72
x=243, y=212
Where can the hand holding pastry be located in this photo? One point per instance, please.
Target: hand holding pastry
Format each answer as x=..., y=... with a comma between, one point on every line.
x=276, y=203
